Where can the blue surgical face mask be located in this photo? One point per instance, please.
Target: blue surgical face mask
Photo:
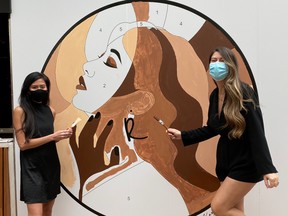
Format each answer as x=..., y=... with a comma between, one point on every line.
x=218, y=70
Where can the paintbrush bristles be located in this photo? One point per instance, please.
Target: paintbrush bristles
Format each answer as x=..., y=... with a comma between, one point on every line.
x=160, y=121
x=76, y=122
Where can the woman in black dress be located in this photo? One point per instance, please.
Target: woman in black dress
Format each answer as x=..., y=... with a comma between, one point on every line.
x=243, y=156
x=33, y=123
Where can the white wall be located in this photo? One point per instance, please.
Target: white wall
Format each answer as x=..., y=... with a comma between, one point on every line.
x=258, y=27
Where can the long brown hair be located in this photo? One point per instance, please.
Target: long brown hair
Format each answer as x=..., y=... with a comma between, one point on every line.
x=234, y=101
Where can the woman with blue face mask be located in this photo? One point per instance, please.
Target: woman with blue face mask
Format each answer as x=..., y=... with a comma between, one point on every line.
x=243, y=156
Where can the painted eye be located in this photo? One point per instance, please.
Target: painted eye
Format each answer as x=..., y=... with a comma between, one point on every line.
x=110, y=62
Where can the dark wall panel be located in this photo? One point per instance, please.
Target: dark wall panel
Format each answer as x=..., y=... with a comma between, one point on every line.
x=5, y=75
x=5, y=6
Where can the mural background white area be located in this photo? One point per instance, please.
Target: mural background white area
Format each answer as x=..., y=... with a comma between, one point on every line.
x=256, y=26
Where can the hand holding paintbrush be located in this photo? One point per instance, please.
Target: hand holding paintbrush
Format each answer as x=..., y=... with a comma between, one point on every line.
x=172, y=132
x=70, y=129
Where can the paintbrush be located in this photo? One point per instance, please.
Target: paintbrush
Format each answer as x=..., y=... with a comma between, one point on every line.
x=76, y=122
x=160, y=121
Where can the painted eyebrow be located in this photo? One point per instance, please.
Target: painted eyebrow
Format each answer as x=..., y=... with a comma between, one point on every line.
x=117, y=53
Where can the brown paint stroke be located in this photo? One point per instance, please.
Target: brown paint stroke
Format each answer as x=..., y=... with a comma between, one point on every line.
x=193, y=78
x=117, y=108
x=196, y=75
x=141, y=10
x=154, y=55
x=207, y=39
x=156, y=83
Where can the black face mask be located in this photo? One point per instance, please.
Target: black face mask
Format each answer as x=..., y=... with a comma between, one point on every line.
x=39, y=96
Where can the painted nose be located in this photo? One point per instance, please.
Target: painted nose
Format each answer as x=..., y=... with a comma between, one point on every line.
x=89, y=69
x=89, y=73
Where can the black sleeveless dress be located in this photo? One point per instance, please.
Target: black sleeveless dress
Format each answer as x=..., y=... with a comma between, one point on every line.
x=40, y=166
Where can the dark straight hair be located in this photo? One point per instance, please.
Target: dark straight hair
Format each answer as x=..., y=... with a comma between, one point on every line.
x=26, y=103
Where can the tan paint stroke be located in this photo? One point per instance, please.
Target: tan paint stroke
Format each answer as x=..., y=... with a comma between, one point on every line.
x=64, y=69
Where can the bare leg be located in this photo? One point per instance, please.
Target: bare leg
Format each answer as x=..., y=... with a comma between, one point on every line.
x=35, y=209
x=47, y=208
x=229, y=199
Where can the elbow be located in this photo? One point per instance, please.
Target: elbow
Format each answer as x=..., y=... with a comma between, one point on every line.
x=23, y=146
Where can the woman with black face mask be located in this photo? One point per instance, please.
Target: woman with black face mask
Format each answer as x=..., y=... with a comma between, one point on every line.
x=33, y=123
x=243, y=156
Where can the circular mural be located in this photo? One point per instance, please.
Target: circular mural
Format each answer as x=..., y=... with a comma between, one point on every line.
x=128, y=71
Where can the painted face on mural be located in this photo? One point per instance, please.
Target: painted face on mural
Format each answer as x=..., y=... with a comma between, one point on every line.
x=102, y=77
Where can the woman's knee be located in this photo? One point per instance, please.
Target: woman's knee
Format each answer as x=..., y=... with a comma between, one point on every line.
x=217, y=208
x=220, y=209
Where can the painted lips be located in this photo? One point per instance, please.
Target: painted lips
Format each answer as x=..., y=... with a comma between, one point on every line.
x=81, y=85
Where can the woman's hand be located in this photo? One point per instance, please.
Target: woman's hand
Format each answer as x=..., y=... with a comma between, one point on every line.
x=174, y=133
x=271, y=180
x=62, y=134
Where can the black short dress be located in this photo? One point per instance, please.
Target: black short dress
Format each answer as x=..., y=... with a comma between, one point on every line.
x=40, y=166
x=245, y=159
